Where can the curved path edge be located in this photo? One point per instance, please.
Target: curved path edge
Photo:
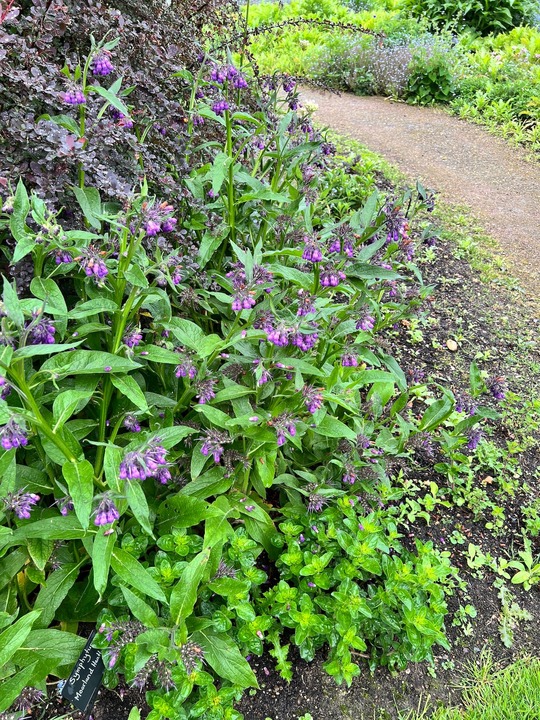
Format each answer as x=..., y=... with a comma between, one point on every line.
x=462, y=162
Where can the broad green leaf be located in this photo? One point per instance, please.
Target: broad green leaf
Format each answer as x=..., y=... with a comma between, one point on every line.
x=154, y=353
x=67, y=404
x=171, y=436
x=40, y=551
x=87, y=362
x=10, y=566
x=111, y=467
x=64, y=121
x=134, y=714
x=186, y=332
x=101, y=559
x=219, y=170
x=436, y=414
x=90, y=202
x=332, y=427
x=139, y=608
x=231, y=392
x=80, y=480
x=8, y=470
x=93, y=307
x=215, y=416
x=111, y=98
x=44, y=349
x=51, y=595
x=184, y=593
x=14, y=636
x=17, y=220
x=134, y=574
x=12, y=305
x=304, y=280
x=127, y=386
x=12, y=687
x=223, y=656
x=217, y=526
x=54, y=528
x=58, y=648
x=186, y=511
x=139, y=505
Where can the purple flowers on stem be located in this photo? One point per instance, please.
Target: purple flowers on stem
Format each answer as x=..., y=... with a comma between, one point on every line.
x=349, y=360
x=158, y=218
x=497, y=387
x=205, y=390
x=101, y=64
x=132, y=424
x=5, y=388
x=106, y=512
x=366, y=323
x=474, y=436
x=74, y=96
x=148, y=462
x=40, y=332
x=313, y=398
x=312, y=252
x=20, y=503
x=213, y=444
x=12, y=435
x=284, y=423
x=132, y=338
x=186, y=369
x=243, y=300
x=331, y=277
x=92, y=263
x=220, y=107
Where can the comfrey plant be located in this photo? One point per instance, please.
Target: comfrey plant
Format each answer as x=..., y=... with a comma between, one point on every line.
x=181, y=376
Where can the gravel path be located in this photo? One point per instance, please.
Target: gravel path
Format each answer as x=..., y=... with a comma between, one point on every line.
x=462, y=162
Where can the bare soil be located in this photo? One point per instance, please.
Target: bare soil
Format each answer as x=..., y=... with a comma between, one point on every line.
x=463, y=162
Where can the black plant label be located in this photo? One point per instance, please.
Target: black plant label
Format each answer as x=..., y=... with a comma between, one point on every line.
x=85, y=680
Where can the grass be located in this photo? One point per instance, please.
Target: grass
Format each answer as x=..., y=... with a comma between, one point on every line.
x=489, y=693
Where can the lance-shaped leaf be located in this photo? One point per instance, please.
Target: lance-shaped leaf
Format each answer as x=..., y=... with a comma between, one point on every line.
x=184, y=594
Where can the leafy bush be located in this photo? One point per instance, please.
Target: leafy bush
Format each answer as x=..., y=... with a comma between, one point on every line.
x=483, y=16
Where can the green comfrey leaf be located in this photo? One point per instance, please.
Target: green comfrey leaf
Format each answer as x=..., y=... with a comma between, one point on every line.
x=90, y=202
x=102, y=548
x=127, y=386
x=51, y=595
x=133, y=573
x=80, y=480
x=12, y=305
x=436, y=414
x=224, y=657
x=139, y=505
x=184, y=593
x=139, y=608
x=87, y=362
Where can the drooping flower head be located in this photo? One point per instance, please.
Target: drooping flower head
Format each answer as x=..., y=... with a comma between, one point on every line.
x=20, y=503
x=205, y=390
x=313, y=398
x=213, y=443
x=132, y=338
x=12, y=435
x=150, y=461
x=40, y=332
x=186, y=368
x=131, y=423
x=158, y=218
x=284, y=423
x=74, y=96
x=101, y=64
x=106, y=512
x=93, y=264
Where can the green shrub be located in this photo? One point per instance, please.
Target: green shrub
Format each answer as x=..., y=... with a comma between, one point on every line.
x=484, y=16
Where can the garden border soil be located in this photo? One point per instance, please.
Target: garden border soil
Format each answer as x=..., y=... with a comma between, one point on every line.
x=461, y=161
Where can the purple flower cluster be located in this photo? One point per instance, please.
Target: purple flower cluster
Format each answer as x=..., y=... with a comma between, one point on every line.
x=123, y=121
x=132, y=338
x=243, y=300
x=349, y=360
x=74, y=96
x=316, y=503
x=304, y=342
x=366, y=323
x=474, y=436
x=101, y=64
x=289, y=84
x=144, y=463
x=132, y=424
x=331, y=276
x=497, y=387
x=41, y=332
x=12, y=436
x=312, y=251
x=222, y=74
x=66, y=505
x=220, y=107
x=306, y=303
x=62, y=257
x=186, y=368
x=313, y=398
x=20, y=503
x=5, y=388
x=158, y=218
x=284, y=423
x=205, y=390
x=349, y=476
x=465, y=403
x=213, y=443
x=106, y=512
x=92, y=263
